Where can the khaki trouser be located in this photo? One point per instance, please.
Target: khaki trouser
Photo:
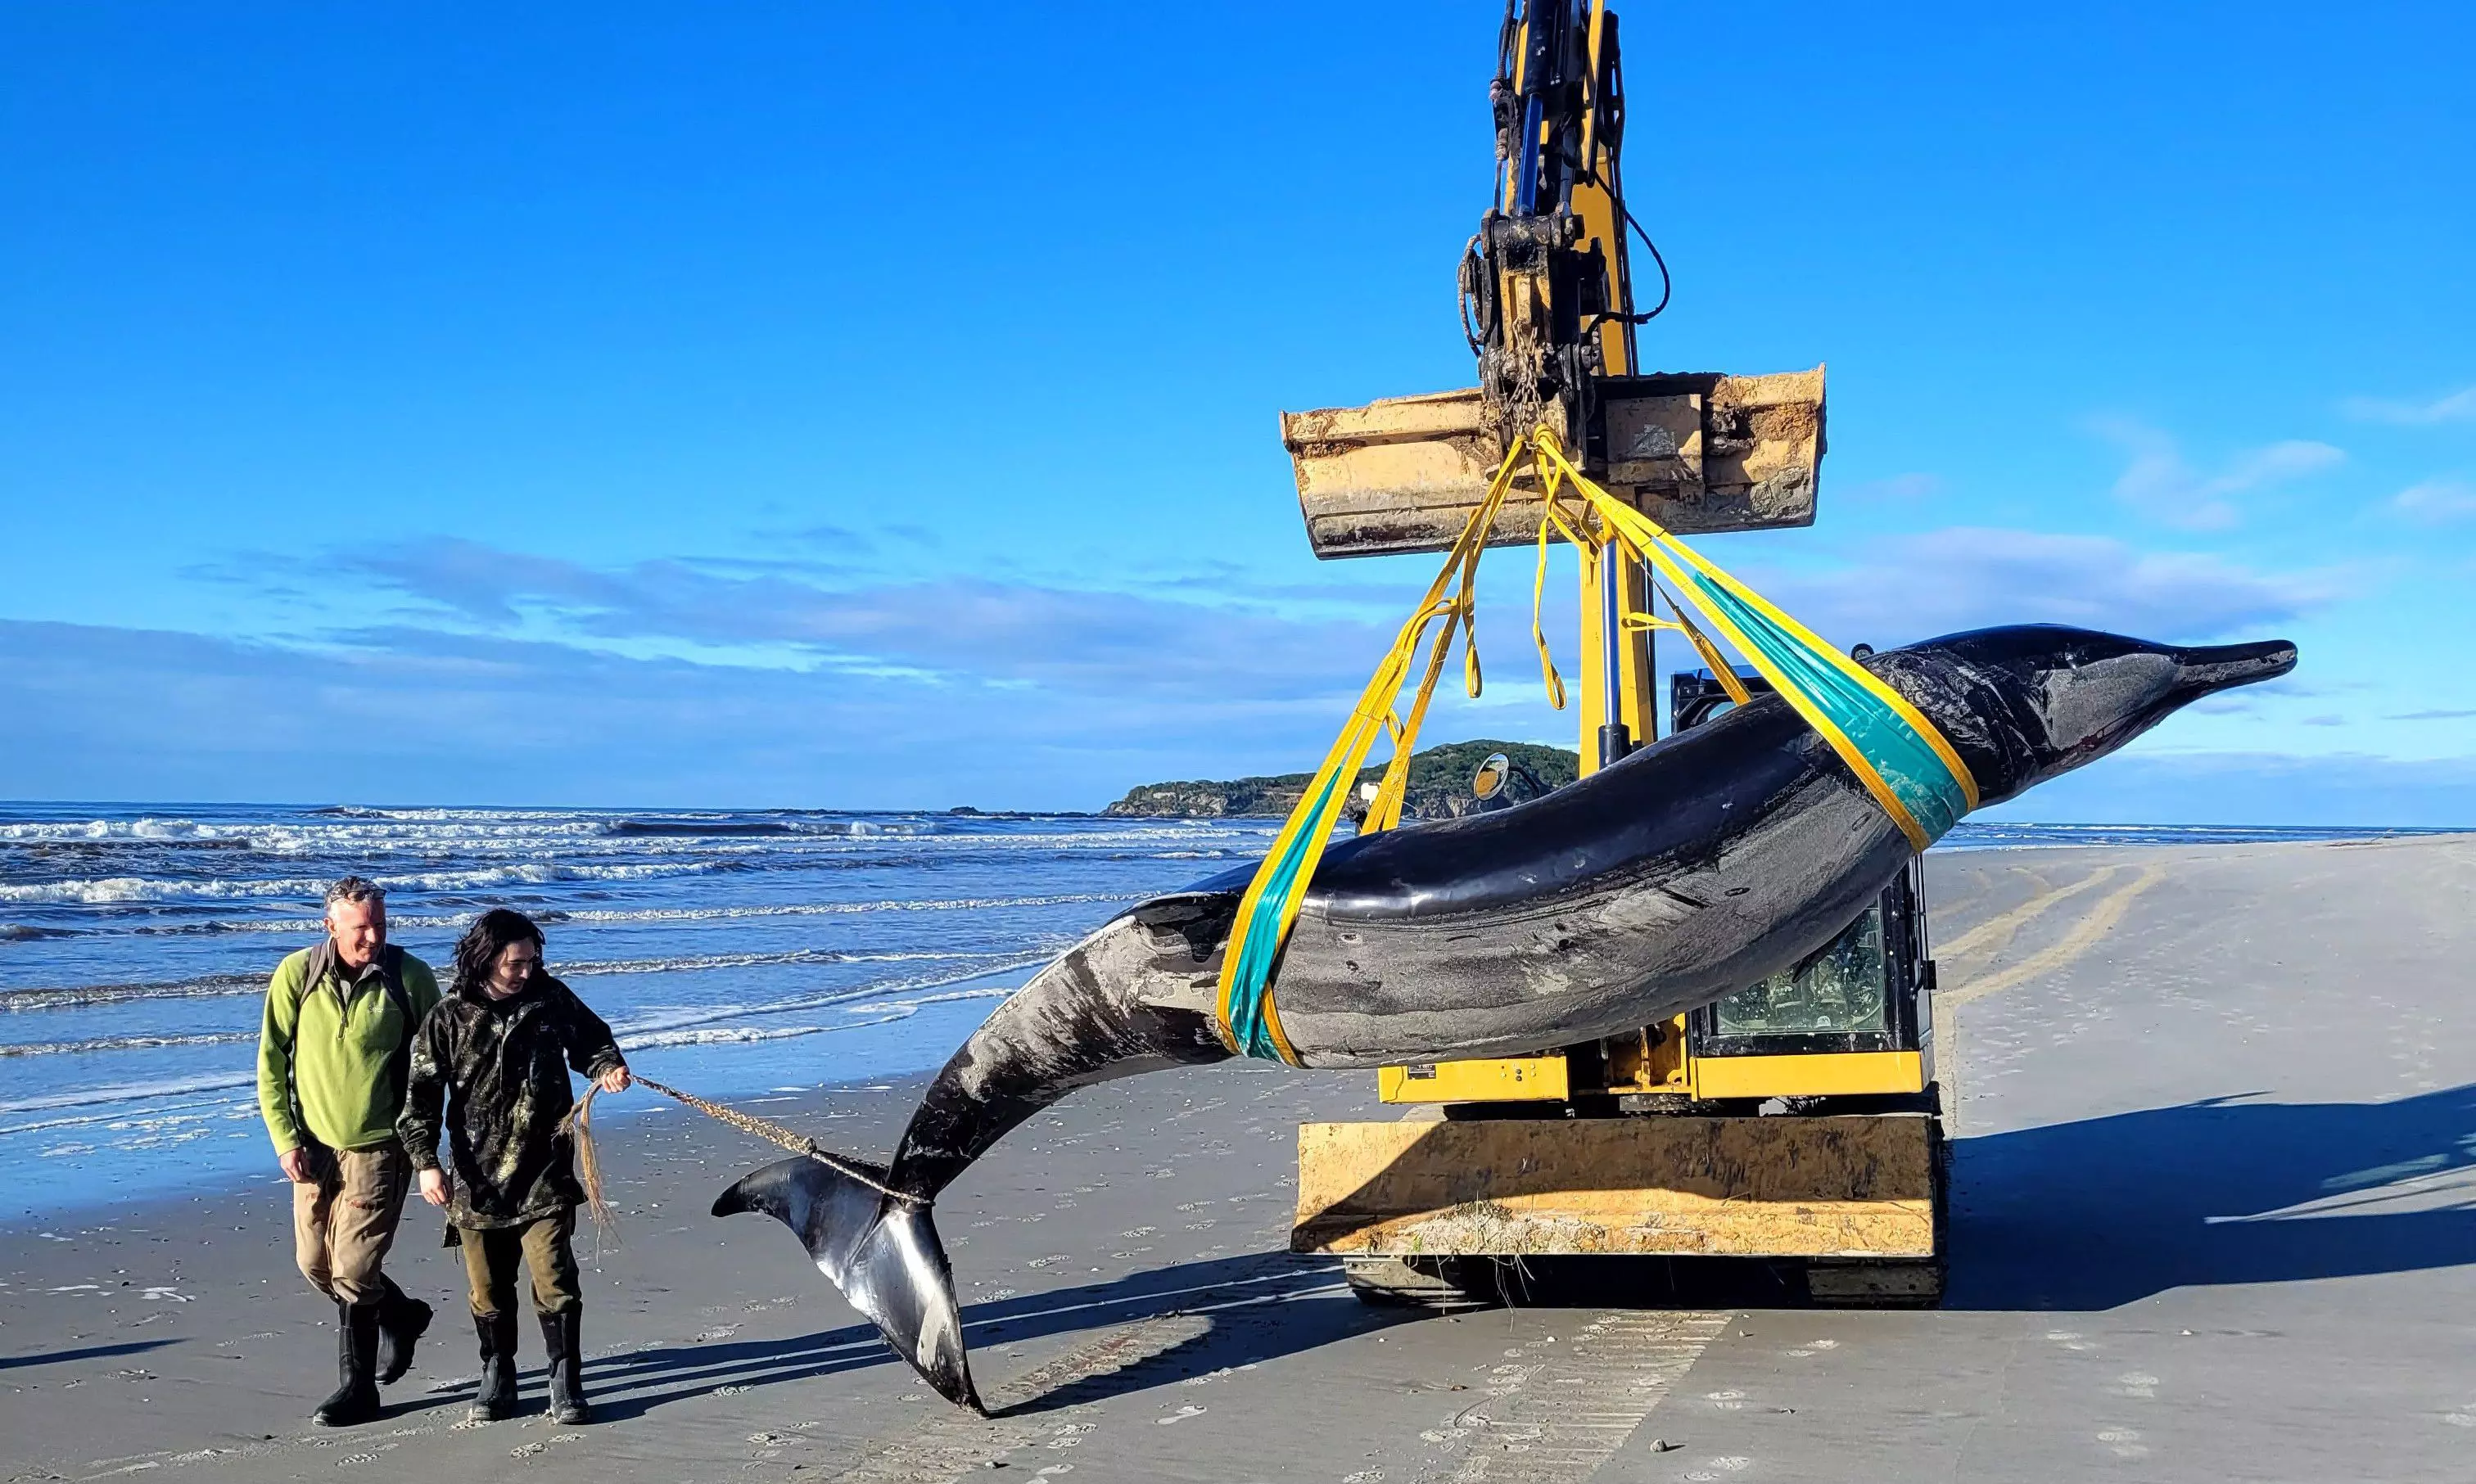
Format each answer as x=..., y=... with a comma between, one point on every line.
x=491, y=1264
x=344, y=1218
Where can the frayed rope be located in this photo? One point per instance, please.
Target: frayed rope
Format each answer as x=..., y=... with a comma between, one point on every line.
x=579, y=1124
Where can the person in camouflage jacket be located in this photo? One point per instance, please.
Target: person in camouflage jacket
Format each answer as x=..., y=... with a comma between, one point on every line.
x=491, y=1065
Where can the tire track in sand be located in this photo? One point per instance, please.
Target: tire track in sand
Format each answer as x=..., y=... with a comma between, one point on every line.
x=1556, y=1414
x=1994, y=935
x=2082, y=936
x=953, y=1443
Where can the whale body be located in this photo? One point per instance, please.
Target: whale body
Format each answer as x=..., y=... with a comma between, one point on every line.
x=1689, y=869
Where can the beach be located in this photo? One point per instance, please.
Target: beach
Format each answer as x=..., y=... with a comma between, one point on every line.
x=2215, y=1136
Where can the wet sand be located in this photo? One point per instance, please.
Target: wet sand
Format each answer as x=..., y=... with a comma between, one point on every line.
x=2216, y=1140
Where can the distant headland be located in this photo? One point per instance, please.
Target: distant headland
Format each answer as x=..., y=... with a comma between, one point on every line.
x=1439, y=788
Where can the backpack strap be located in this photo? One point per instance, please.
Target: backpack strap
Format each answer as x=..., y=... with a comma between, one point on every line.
x=322, y=959
x=399, y=1067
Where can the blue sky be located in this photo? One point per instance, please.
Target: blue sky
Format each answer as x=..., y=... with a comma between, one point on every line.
x=778, y=405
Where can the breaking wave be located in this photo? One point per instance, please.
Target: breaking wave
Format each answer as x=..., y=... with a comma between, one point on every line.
x=661, y=1021
x=115, y=890
x=691, y=963
x=212, y=987
x=835, y=909
x=621, y=915
x=145, y=829
x=205, y=986
x=879, y=1013
x=128, y=1092
x=136, y=1043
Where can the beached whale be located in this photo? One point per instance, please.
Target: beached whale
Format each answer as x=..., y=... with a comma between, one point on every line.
x=1688, y=870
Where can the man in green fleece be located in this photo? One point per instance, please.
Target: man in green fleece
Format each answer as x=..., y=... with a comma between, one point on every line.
x=333, y=1056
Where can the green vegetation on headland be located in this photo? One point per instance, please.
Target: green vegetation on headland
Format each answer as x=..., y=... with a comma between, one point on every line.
x=1440, y=786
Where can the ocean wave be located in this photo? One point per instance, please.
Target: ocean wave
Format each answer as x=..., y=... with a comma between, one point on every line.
x=157, y=1112
x=71, y=997
x=744, y=1035
x=129, y=1092
x=430, y=814
x=881, y=1013
x=659, y=1021
x=25, y=932
x=693, y=963
x=147, y=827
x=115, y=890
x=119, y=890
x=916, y=1002
x=549, y=916
x=301, y=925
x=133, y=1043
x=695, y=830
x=836, y=909
x=886, y=999
x=775, y=827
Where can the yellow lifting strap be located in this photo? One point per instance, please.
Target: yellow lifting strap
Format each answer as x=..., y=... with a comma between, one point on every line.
x=1638, y=623
x=1246, y=1015
x=1901, y=758
x=1904, y=763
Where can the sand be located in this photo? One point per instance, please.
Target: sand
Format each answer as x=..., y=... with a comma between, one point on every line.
x=2211, y=1220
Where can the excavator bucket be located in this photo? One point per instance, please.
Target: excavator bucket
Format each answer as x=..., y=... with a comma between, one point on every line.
x=1699, y=453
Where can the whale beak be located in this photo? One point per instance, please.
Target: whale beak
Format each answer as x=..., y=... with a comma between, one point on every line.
x=2218, y=667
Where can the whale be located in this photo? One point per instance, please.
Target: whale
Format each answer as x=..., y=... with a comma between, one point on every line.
x=1690, y=868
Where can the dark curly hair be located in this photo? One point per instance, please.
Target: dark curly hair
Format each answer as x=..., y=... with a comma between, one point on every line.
x=476, y=953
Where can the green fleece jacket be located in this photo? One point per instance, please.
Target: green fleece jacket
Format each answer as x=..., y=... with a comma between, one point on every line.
x=323, y=1048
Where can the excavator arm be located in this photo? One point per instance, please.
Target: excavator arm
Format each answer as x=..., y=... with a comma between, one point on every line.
x=1549, y=307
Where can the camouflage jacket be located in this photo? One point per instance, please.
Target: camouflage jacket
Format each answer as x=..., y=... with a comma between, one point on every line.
x=499, y=1068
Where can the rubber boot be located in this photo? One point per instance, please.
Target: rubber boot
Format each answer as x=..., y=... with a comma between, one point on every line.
x=566, y=1367
x=401, y=1318
x=356, y=1361
x=496, y=1399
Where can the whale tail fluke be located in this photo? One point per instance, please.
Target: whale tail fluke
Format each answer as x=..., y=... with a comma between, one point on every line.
x=880, y=1249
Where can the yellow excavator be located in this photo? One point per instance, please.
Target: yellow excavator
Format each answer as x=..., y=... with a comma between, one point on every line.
x=1795, y=1120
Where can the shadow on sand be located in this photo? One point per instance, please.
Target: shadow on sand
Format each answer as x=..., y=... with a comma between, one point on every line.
x=1259, y=1306
x=88, y=1352
x=2106, y=1211
x=2071, y=1217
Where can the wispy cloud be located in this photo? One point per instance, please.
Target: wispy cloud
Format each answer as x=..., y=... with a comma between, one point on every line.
x=2457, y=406
x=842, y=540
x=2161, y=484
x=1086, y=641
x=430, y=714
x=2436, y=502
x=847, y=541
x=1898, y=487
x=1968, y=577
x=2432, y=716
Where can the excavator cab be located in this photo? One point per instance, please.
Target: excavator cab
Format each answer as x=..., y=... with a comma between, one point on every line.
x=1863, y=999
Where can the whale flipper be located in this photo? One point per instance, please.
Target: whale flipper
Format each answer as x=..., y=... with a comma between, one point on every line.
x=882, y=1253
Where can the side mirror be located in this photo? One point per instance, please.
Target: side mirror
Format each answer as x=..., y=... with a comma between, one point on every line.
x=1488, y=783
